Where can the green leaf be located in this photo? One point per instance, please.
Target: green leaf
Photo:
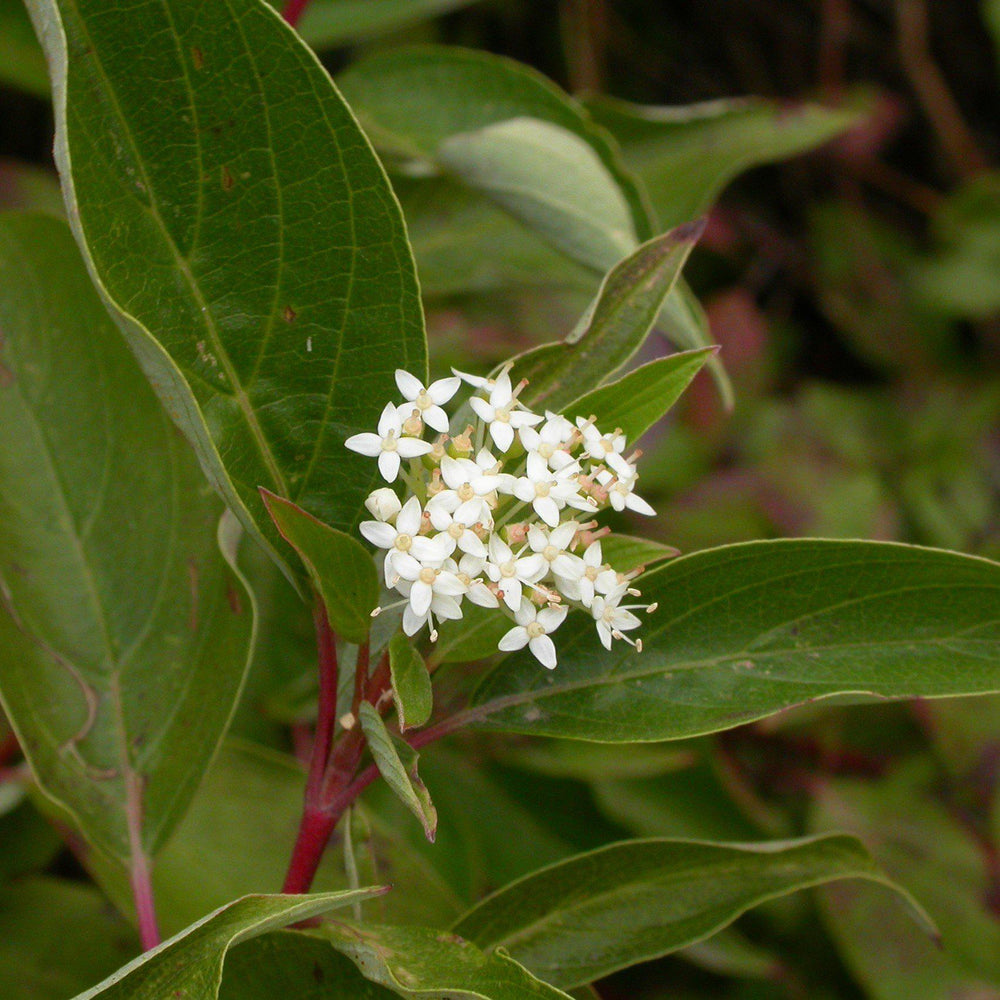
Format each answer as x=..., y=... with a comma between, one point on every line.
x=124, y=634
x=244, y=234
x=744, y=631
x=411, y=683
x=289, y=964
x=190, y=964
x=195, y=874
x=637, y=400
x=917, y=837
x=581, y=919
x=397, y=763
x=625, y=553
x=340, y=567
x=419, y=962
x=57, y=938
x=411, y=100
x=328, y=23
x=22, y=63
x=613, y=328
x=28, y=841
x=551, y=180
x=686, y=155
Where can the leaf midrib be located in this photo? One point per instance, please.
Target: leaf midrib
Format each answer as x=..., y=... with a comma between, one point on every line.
x=239, y=392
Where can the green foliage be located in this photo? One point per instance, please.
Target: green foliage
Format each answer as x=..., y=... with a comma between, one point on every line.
x=747, y=630
x=581, y=919
x=128, y=606
x=248, y=283
x=637, y=400
x=338, y=564
x=397, y=763
x=419, y=962
x=190, y=964
x=614, y=326
x=411, y=684
x=286, y=294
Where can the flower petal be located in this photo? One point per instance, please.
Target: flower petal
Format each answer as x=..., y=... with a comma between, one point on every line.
x=551, y=618
x=365, y=444
x=412, y=622
x=409, y=385
x=408, y=518
x=546, y=509
x=436, y=417
x=516, y=638
x=502, y=434
x=412, y=447
x=380, y=534
x=482, y=408
x=389, y=421
x=636, y=503
x=388, y=465
x=420, y=597
x=511, y=593
x=443, y=389
x=544, y=649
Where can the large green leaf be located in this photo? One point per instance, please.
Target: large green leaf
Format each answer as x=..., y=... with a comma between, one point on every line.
x=21, y=61
x=928, y=848
x=686, y=155
x=412, y=100
x=244, y=234
x=744, y=631
x=582, y=919
x=418, y=962
x=57, y=938
x=340, y=567
x=613, y=328
x=124, y=634
x=190, y=964
x=637, y=400
x=249, y=808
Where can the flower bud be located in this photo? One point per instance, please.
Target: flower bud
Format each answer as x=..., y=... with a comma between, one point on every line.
x=384, y=504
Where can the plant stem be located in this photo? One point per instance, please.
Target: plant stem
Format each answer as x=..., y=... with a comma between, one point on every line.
x=316, y=825
x=294, y=9
x=142, y=893
x=329, y=679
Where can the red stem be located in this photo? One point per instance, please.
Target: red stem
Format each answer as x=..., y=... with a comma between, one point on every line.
x=294, y=9
x=142, y=893
x=316, y=825
x=329, y=679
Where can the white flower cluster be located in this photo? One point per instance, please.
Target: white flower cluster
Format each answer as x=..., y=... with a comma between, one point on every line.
x=507, y=532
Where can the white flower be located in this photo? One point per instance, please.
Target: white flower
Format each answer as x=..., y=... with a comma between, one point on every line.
x=549, y=440
x=388, y=444
x=406, y=548
x=468, y=484
x=427, y=401
x=383, y=504
x=597, y=445
x=587, y=576
x=442, y=607
x=427, y=583
x=469, y=572
x=459, y=531
x=510, y=573
x=549, y=491
x=501, y=413
x=621, y=486
x=613, y=619
x=533, y=629
x=553, y=547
